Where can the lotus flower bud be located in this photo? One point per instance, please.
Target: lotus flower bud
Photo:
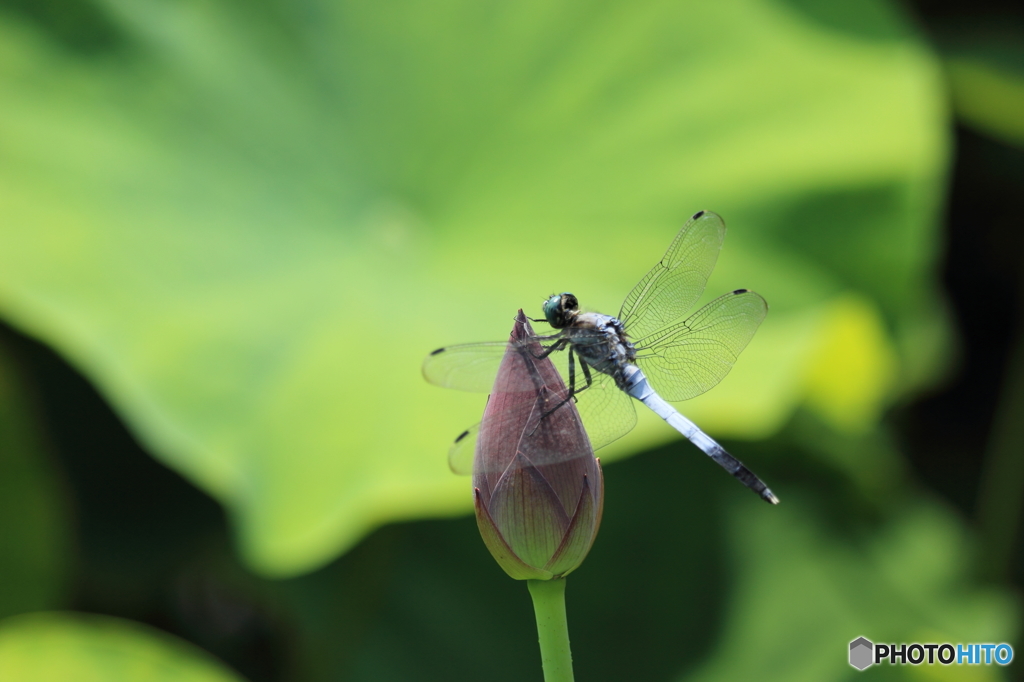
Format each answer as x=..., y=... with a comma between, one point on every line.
x=539, y=490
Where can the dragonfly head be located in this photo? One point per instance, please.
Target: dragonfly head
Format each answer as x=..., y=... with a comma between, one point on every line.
x=560, y=309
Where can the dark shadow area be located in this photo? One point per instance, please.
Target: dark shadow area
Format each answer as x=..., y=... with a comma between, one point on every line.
x=983, y=277
x=149, y=545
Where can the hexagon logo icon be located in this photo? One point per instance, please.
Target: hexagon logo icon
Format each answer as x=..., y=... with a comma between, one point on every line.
x=860, y=653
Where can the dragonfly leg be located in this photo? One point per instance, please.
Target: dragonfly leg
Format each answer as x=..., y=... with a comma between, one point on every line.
x=586, y=373
x=548, y=350
x=572, y=375
x=573, y=391
x=572, y=379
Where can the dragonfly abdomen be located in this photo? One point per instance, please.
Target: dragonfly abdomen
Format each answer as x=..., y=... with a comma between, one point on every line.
x=638, y=387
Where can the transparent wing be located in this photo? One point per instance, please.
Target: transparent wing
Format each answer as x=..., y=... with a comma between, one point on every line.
x=460, y=454
x=672, y=286
x=467, y=367
x=692, y=356
x=607, y=412
x=473, y=366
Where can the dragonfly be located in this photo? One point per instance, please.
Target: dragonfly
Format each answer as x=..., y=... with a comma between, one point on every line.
x=652, y=351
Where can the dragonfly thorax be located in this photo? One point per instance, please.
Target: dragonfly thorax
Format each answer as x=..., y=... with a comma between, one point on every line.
x=601, y=342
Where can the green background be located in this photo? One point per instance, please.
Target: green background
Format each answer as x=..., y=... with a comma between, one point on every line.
x=229, y=233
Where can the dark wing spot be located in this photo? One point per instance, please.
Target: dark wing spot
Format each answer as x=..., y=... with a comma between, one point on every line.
x=740, y=291
x=697, y=215
x=439, y=350
x=462, y=435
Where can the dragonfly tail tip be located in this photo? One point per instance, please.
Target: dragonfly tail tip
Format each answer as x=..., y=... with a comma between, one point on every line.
x=769, y=496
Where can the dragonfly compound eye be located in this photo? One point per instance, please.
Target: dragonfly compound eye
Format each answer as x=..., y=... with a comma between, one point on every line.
x=552, y=311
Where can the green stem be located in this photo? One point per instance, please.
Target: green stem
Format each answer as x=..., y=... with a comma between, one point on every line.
x=552, y=629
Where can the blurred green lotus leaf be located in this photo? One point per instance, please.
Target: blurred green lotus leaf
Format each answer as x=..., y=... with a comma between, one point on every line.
x=852, y=368
x=247, y=223
x=74, y=647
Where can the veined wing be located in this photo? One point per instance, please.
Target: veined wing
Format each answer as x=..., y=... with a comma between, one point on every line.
x=541, y=426
x=607, y=414
x=473, y=366
x=465, y=367
x=677, y=281
x=460, y=454
x=607, y=411
x=692, y=356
